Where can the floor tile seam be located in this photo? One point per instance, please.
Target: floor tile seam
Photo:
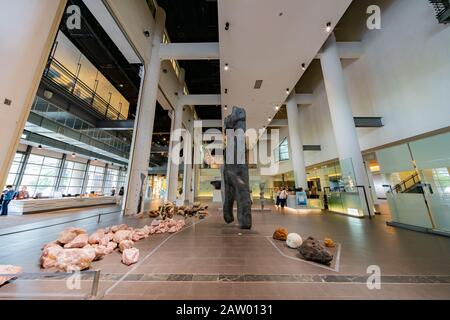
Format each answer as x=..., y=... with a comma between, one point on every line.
x=149, y=255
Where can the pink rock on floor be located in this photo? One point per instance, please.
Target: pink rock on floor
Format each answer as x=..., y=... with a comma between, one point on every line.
x=69, y=260
x=121, y=235
x=80, y=241
x=69, y=234
x=9, y=270
x=125, y=244
x=97, y=236
x=50, y=254
x=130, y=256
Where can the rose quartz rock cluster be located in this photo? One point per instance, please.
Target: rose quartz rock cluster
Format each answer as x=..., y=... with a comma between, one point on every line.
x=75, y=250
x=7, y=273
x=163, y=226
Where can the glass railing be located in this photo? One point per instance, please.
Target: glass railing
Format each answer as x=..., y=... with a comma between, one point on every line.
x=70, y=83
x=52, y=112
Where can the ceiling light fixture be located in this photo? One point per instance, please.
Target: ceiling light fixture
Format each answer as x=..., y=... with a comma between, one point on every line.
x=303, y=66
x=328, y=28
x=73, y=155
x=227, y=26
x=270, y=119
x=39, y=147
x=277, y=108
x=227, y=67
x=226, y=91
x=226, y=107
x=287, y=91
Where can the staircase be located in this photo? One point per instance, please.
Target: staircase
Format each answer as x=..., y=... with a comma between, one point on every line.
x=442, y=8
x=411, y=184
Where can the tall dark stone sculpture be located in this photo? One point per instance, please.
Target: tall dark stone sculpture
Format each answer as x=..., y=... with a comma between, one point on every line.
x=235, y=176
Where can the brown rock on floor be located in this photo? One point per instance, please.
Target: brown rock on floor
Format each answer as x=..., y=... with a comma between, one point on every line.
x=280, y=234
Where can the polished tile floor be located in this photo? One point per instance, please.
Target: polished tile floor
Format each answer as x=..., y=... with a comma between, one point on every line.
x=211, y=260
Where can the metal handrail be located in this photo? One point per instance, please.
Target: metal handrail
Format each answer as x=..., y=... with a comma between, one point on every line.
x=116, y=143
x=398, y=187
x=103, y=108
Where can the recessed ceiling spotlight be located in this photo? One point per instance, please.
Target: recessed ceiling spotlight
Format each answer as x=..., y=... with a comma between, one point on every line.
x=226, y=91
x=39, y=147
x=121, y=85
x=227, y=67
x=328, y=28
x=288, y=91
x=73, y=155
x=303, y=66
x=226, y=107
x=269, y=119
x=277, y=108
x=280, y=14
x=227, y=26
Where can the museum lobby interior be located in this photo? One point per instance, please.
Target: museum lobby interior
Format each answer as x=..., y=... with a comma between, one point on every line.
x=225, y=150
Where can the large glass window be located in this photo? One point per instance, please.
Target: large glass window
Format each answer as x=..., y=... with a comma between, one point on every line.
x=40, y=175
x=122, y=176
x=15, y=169
x=112, y=180
x=72, y=178
x=282, y=151
x=95, y=179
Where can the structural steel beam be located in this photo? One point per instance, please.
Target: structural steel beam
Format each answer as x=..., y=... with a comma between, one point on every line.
x=115, y=125
x=200, y=100
x=190, y=51
x=360, y=122
x=210, y=51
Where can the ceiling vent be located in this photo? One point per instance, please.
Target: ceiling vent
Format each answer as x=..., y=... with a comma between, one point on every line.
x=258, y=84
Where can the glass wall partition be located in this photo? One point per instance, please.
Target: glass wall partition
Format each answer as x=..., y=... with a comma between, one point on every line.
x=72, y=178
x=419, y=171
x=16, y=166
x=95, y=178
x=40, y=175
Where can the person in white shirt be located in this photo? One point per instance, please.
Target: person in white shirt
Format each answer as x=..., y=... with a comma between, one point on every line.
x=283, y=198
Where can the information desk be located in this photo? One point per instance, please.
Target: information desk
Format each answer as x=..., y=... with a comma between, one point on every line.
x=19, y=207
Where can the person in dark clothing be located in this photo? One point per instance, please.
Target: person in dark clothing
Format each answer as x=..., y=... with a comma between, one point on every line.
x=7, y=196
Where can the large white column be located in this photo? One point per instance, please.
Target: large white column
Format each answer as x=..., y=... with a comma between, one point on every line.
x=188, y=161
x=174, y=160
x=295, y=143
x=27, y=31
x=342, y=117
x=143, y=131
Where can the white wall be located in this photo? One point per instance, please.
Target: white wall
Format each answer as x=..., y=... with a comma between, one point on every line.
x=27, y=31
x=403, y=76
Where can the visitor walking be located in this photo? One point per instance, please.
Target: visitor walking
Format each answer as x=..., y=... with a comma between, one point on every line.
x=7, y=196
x=277, y=203
x=283, y=198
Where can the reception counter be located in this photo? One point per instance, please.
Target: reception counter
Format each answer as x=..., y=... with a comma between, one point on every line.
x=20, y=207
